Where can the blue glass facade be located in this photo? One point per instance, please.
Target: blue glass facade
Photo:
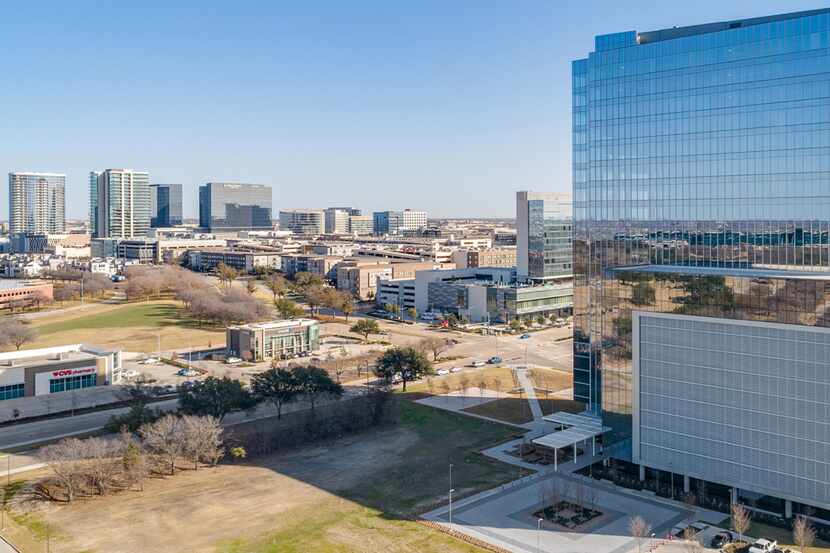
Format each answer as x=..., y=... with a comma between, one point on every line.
x=704, y=146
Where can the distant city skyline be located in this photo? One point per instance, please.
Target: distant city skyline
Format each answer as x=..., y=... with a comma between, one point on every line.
x=447, y=107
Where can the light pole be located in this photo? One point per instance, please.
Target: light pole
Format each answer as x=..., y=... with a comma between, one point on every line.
x=451, y=490
x=539, y=535
x=8, y=481
x=450, y=475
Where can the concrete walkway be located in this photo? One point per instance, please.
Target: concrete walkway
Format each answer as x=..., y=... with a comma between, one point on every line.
x=530, y=392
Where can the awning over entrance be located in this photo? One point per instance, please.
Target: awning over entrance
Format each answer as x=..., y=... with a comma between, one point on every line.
x=582, y=428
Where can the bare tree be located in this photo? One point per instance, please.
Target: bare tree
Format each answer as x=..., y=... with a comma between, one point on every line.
x=482, y=387
x=498, y=386
x=66, y=459
x=803, y=533
x=463, y=384
x=691, y=541
x=639, y=529
x=133, y=460
x=431, y=386
x=740, y=520
x=164, y=439
x=444, y=386
x=436, y=346
x=202, y=437
x=103, y=463
x=250, y=286
x=17, y=333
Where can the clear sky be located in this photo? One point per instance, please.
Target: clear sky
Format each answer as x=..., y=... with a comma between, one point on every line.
x=444, y=105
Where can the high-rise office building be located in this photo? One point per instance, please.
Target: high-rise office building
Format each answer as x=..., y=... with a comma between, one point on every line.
x=337, y=220
x=305, y=222
x=544, y=249
x=119, y=203
x=701, y=162
x=231, y=206
x=37, y=203
x=165, y=205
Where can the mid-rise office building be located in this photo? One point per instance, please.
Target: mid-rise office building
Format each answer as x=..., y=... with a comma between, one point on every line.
x=395, y=222
x=165, y=205
x=701, y=162
x=486, y=257
x=234, y=206
x=543, y=236
x=303, y=222
x=273, y=340
x=361, y=225
x=37, y=203
x=119, y=203
x=337, y=220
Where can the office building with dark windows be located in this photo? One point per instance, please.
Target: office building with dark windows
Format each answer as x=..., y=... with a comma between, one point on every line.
x=231, y=207
x=701, y=180
x=165, y=205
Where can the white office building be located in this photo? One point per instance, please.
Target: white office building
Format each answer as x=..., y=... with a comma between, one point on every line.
x=119, y=203
x=37, y=203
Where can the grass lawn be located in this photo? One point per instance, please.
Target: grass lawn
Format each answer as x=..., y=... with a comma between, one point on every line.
x=517, y=411
x=356, y=494
x=783, y=537
x=132, y=326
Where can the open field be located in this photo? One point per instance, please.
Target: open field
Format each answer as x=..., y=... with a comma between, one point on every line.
x=356, y=494
x=517, y=411
x=489, y=374
x=132, y=326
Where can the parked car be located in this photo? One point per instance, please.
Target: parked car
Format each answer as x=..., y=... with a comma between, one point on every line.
x=151, y=361
x=477, y=364
x=679, y=529
x=763, y=546
x=442, y=372
x=721, y=539
x=397, y=378
x=495, y=360
x=524, y=336
x=456, y=369
x=187, y=372
x=231, y=360
x=131, y=373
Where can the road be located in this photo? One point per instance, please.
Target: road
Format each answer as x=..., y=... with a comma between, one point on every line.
x=20, y=435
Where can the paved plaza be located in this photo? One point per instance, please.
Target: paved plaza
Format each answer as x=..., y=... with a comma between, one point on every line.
x=505, y=517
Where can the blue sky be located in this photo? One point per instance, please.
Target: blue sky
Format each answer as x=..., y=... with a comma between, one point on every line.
x=444, y=105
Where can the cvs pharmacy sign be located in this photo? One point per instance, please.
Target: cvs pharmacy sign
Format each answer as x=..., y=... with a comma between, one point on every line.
x=72, y=372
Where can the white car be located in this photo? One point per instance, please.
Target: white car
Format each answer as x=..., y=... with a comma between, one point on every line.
x=477, y=364
x=232, y=360
x=456, y=369
x=131, y=373
x=151, y=361
x=763, y=546
x=442, y=372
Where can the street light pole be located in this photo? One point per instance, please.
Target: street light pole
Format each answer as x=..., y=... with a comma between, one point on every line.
x=539, y=535
x=451, y=490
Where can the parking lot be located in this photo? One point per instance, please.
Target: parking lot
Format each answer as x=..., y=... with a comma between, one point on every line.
x=544, y=348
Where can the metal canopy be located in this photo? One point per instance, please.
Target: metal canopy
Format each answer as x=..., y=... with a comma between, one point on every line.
x=566, y=438
x=577, y=421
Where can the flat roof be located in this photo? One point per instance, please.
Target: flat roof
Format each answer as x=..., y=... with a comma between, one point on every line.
x=691, y=30
x=54, y=355
x=750, y=272
x=10, y=284
x=270, y=325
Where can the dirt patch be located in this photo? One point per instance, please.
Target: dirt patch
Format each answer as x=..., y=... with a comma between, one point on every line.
x=195, y=510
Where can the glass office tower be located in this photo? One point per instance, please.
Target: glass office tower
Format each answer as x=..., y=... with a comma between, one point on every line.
x=544, y=249
x=701, y=176
x=165, y=205
x=226, y=206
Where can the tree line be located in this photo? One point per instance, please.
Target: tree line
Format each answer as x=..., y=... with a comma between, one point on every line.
x=97, y=466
